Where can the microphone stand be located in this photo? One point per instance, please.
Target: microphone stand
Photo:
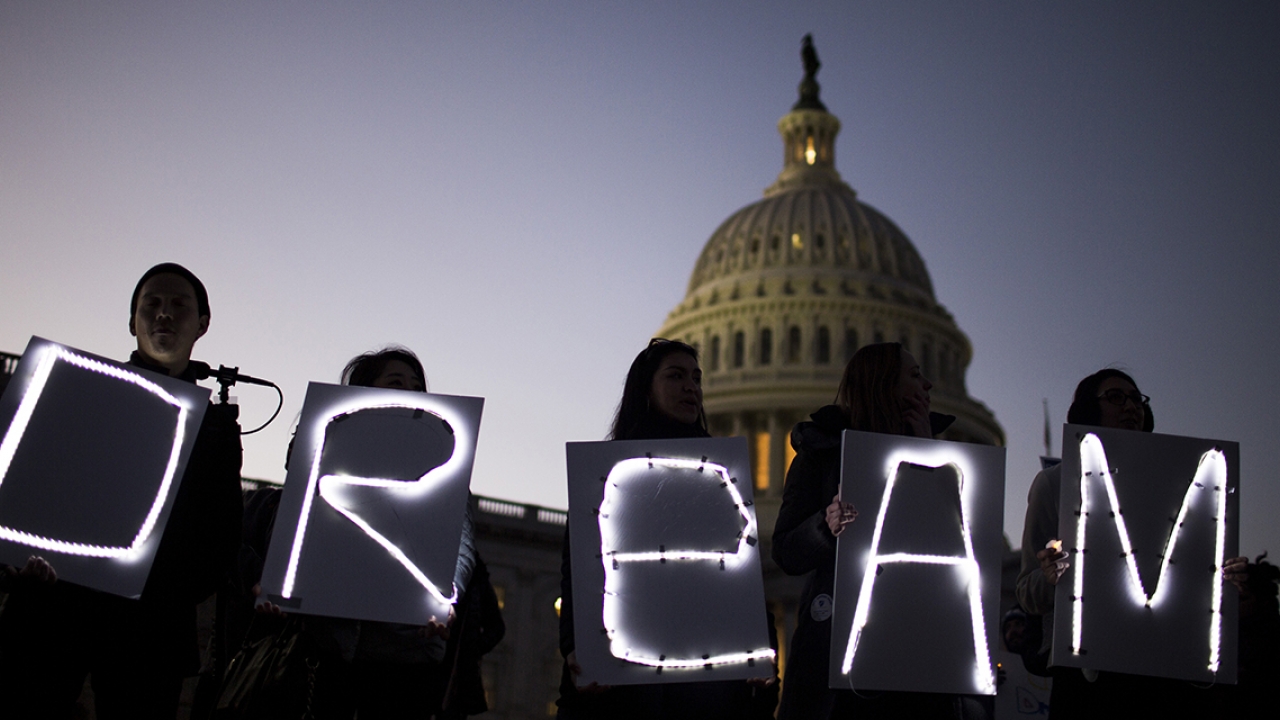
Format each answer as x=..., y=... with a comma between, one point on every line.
x=227, y=377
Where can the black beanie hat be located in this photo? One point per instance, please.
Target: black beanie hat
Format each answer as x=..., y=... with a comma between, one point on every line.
x=202, y=297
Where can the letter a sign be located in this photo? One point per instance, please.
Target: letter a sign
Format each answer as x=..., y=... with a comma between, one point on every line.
x=1147, y=521
x=918, y=575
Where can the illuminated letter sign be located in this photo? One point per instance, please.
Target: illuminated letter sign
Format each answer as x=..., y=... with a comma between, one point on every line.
x=963, y=561
x=89, y=463
x=916, y=576
x=666, y=541
x=1175, y=525
x=730, y=552
x=385, y=469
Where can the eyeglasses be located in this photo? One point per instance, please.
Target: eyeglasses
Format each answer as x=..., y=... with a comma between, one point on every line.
x=656, y=344
x=1116, y=396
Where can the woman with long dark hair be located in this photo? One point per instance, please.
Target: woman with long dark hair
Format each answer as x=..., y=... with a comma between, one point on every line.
x=1108, y=398
x=662, y=398
x=882, y=390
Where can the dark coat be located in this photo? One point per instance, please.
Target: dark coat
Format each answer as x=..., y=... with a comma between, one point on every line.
x=477, y=630
x=804, y=545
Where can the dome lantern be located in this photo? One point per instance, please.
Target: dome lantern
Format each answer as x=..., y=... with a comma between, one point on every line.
x=808, y=134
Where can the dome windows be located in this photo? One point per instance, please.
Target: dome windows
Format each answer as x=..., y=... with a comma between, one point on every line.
x=797, y=242
x=850, y=343
x=793, y=344
x=714, y=356
x=810, y=154
x=739, y=349
x=824, y=346
x=766, y=346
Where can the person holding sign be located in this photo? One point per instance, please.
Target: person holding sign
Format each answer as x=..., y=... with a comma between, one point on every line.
x=137, y=651
x=661, y=399
x=1108, y=398
x=882, y=390
x=375, y=669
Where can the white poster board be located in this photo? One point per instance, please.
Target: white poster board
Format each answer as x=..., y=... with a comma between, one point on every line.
x=917, y=586
x=91, y=458
x=665, y=555
x=1144, y=592
x=373, y=506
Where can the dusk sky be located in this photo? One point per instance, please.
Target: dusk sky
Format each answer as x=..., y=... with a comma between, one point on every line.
x=518, y=192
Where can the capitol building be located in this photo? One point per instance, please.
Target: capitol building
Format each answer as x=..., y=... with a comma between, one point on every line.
x=786, y=290
x=788, y=287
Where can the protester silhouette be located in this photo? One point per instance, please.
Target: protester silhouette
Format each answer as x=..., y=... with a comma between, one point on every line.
x=136, y=652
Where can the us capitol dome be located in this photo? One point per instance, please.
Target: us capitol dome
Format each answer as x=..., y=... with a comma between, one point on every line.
x=788, y=287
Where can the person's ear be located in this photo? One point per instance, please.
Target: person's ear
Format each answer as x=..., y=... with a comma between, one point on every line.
x=204, y=326
x=132, y=330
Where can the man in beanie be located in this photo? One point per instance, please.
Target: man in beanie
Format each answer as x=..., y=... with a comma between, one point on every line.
x=136, y=652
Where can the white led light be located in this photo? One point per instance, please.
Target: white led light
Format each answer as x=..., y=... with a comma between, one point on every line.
x=1211, y=476
x=328, y=484
x=328, y=487
x=728, y=659
x=50, y=355
x=730, y=558
x=967, y=565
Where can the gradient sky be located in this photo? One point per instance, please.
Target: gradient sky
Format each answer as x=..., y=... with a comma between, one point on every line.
x=518, y=192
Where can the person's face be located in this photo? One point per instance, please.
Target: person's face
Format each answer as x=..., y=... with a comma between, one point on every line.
x=677, y=388
x=167, y=321
x=1129, y=416
x=400, y=375
x=1015, y=634
x=912, y=383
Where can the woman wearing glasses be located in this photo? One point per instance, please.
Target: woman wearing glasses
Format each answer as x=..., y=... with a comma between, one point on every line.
x=1108, y=398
